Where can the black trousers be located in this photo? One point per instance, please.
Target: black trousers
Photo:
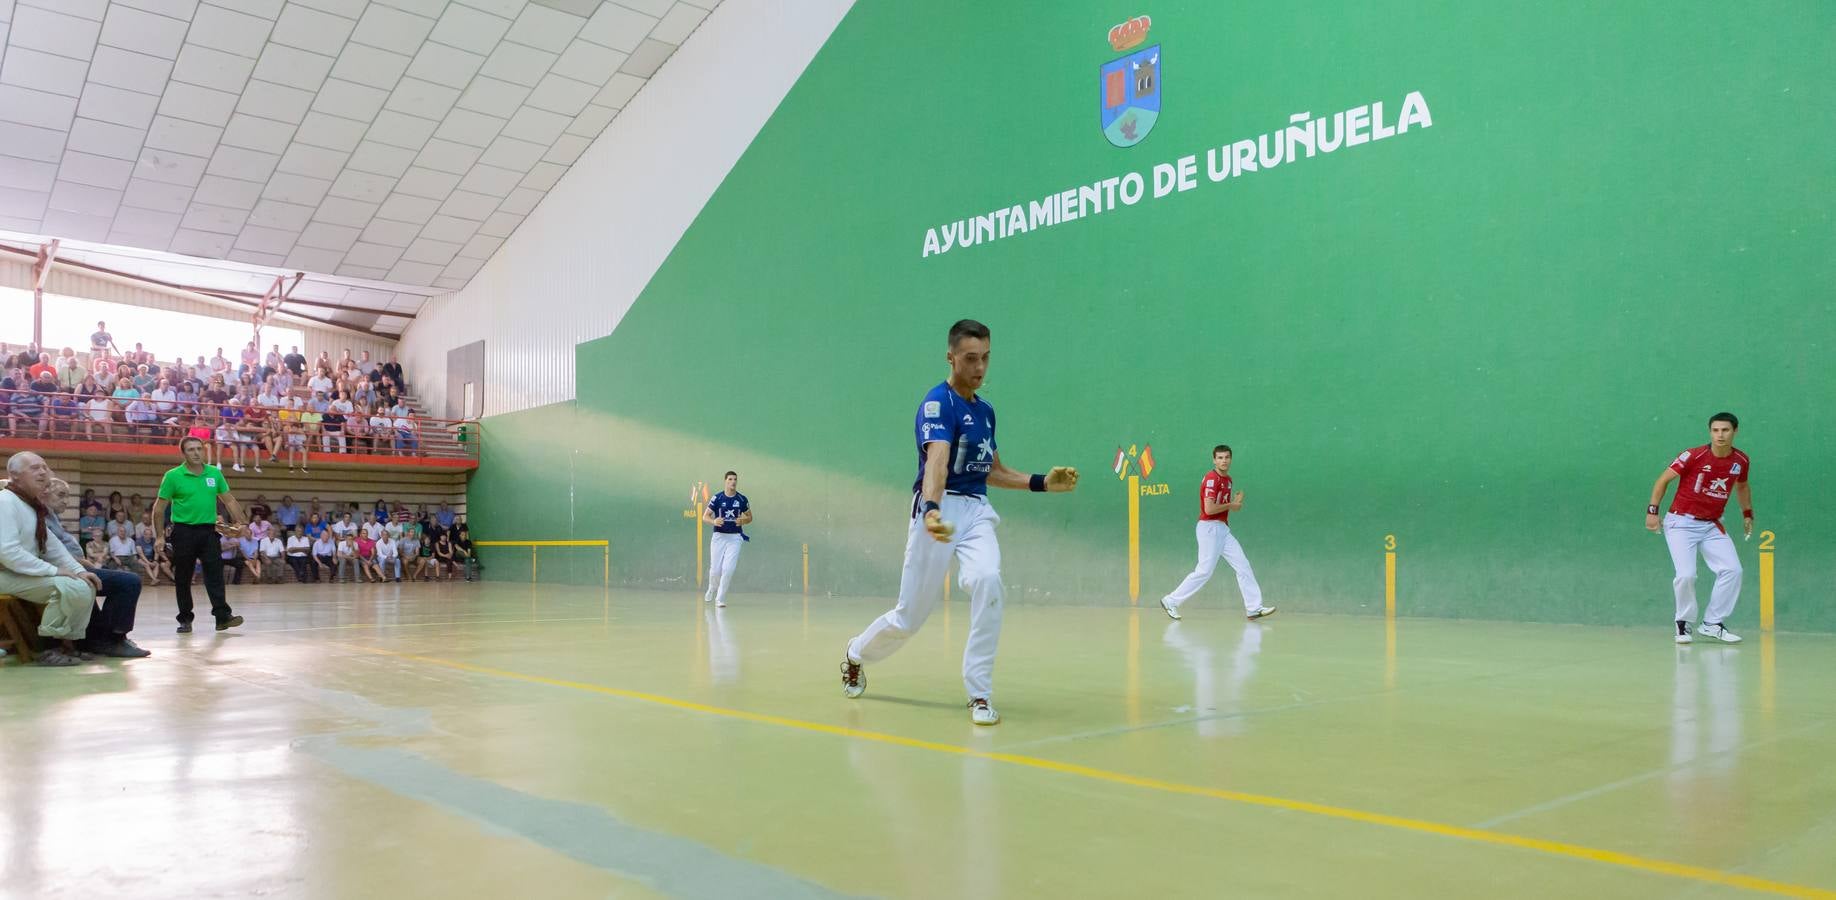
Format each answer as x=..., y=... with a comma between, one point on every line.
x=197, y=545
x=299, y=564
x=121, y=594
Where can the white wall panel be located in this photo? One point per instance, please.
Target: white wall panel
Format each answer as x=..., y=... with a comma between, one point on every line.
x=574, y=266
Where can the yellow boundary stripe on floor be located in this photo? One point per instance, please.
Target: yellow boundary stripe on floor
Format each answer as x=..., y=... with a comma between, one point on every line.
x=1554, y=848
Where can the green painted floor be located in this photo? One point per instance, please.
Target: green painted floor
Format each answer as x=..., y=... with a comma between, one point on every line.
x=505, y=741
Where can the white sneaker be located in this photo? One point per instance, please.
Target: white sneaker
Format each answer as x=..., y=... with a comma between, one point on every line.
x=1172, y=611
x=854, y=678
x=981, y=713
x=236, y=468
x=1259, y=612
x=708, y=599
x=721, y=603
x=1717, y=632
x=1683, y=633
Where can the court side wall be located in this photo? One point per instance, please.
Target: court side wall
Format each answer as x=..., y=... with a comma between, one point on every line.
x=1485, y=334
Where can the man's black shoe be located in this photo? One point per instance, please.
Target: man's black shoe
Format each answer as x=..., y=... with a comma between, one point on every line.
x=227, y=624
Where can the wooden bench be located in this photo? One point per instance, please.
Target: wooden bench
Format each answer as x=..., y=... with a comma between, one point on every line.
x=18, y=626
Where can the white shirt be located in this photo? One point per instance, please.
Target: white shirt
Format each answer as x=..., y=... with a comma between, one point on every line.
x=342, y=407
x=271, y=547
x=343, y=529
x=298, y=545
x=320, y=384
x=164, y=398
x=385, y=549
x=394, y=529
x=374, y=529
x=19, y=551
x=324, y=547
x=121, y=545
x=115, y=529
x=347, y=547
x=381, y=423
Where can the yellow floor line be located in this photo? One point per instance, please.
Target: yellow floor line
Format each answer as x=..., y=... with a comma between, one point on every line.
x=1555, y=848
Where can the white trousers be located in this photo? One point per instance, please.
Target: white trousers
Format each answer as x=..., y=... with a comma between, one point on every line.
x=723, y=557
x=1215, y=541
x=68, y=602
x=921, y=585
x=1686, y=536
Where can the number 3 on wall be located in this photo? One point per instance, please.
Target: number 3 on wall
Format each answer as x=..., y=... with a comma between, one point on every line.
x=1766, y=540
x=1389, y=541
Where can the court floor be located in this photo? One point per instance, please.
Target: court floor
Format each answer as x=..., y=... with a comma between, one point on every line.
x=511, y=740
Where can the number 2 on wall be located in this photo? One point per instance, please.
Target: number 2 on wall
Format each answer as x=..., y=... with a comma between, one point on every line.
x=1766, y=540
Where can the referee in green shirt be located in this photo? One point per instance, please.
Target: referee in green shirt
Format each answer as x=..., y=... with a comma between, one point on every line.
x=193, y=489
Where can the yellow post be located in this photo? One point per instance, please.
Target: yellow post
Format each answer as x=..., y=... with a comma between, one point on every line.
x=1389, y=575
x=608, y=581
x=806, y=570
x=1389, y=611
x=532, y=563
x=1134, y=539
x=698, y=550
x=1767, y=539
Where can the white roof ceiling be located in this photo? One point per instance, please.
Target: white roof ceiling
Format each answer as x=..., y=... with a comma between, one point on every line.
x=393, y=144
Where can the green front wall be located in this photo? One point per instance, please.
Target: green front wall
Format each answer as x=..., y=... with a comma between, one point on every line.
x=1486, y=337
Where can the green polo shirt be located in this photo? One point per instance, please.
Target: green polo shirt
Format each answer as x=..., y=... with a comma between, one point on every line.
x=193, y=497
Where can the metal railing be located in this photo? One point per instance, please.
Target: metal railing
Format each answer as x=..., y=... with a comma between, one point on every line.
x=107, y=419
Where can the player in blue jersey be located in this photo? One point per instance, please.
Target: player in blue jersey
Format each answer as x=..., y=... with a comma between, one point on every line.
x=727, y=511
x=952, y=518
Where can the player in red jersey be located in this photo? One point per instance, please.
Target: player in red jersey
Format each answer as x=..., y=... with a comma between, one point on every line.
x=1705, y=476
x=1214, y=540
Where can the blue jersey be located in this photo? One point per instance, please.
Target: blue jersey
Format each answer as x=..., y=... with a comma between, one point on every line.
x=968, y=426
x=727, y=510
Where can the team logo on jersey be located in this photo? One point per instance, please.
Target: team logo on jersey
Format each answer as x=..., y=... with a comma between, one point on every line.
x=932, y=409
x=968, y=419
x=1141, y=463
x=1128, y=87
x=210, y=482
x=1735, y=470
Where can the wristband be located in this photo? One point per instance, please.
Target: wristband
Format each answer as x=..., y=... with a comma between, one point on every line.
x=1651, y=510
x=1746, y=514
x=929, y=507
x=1037, y=484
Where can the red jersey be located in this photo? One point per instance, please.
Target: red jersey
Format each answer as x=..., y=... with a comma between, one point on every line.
x=1214, y=489
x=1706, y=481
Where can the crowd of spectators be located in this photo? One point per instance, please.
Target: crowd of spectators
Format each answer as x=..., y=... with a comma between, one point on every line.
x=317, y=542
x=262, y=405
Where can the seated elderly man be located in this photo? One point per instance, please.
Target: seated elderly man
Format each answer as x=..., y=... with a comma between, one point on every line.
x=36, y=567
x=113, y=618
